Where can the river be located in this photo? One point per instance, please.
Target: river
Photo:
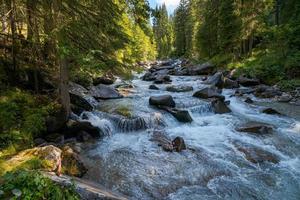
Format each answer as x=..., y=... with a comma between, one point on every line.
x=213, y=167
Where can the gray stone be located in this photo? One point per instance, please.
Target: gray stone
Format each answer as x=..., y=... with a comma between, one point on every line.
x=163, y=100
x=105, y=92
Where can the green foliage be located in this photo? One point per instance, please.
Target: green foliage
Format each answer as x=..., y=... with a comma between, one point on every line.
x=163, y=33
x=22, y=116
x=289, y=85
x=34, y=186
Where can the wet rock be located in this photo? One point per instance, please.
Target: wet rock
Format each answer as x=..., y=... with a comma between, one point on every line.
x=229, y=83
x=257, y=155
x=178, y=144
x=71, y=163
x=179, y=88
x=248, y=82
x=163, y=79
x=105, y=92
x=106, y=80
x=215, y=80
x=249, y=100
x=81, y=98
x=256, y=128
x=181, y=115
x=203, y=69
x=271, y=111
x=153, y=87
x=163, y=100
x=75, y=127
x=83, y=136
x=148, y=77
x=220, y=107
x=166, y=142
x=162, y=140
x=208, y=93
x=227, y=103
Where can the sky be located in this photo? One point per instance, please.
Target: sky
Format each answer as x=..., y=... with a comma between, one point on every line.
x=171, y=4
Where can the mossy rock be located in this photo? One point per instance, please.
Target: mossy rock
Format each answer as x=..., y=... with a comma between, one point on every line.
x=124, y=111
x=71, y=164
x=47, y=157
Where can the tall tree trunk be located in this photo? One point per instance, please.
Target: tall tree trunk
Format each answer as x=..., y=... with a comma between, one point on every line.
x=33, y=38
x=64, y=87
x=49, y=26
x=63, y=63
x=12, y=8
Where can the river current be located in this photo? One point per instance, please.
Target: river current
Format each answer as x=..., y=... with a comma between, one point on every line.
x=213, y=166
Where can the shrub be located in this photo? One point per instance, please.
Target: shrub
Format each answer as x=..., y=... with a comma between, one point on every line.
x=34, y=186
x=22, y=116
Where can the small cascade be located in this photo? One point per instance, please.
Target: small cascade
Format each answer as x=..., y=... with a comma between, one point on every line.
x=104, y=125
x=108, y=123
x=204, y=108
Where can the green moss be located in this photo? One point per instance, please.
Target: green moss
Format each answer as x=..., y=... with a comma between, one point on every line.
x=34, y=186
x=124, y=111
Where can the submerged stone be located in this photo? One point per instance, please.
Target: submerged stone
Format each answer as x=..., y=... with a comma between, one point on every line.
x=256, y=127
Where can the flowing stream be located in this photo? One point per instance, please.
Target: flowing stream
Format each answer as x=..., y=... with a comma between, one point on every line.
x=213, y=167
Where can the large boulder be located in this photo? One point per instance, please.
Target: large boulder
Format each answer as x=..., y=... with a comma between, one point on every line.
x=203, y=69
x=161, y=79
x=220, y=107
x=105, y=92
x=248, y=82
x=209, y=92
x=215, y=80
x=163, y=100
x=179, y=88
x=256, y=128
x=74, y=128
x=81, y=98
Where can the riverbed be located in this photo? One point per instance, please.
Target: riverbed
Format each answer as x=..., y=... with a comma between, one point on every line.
x=213, y=166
